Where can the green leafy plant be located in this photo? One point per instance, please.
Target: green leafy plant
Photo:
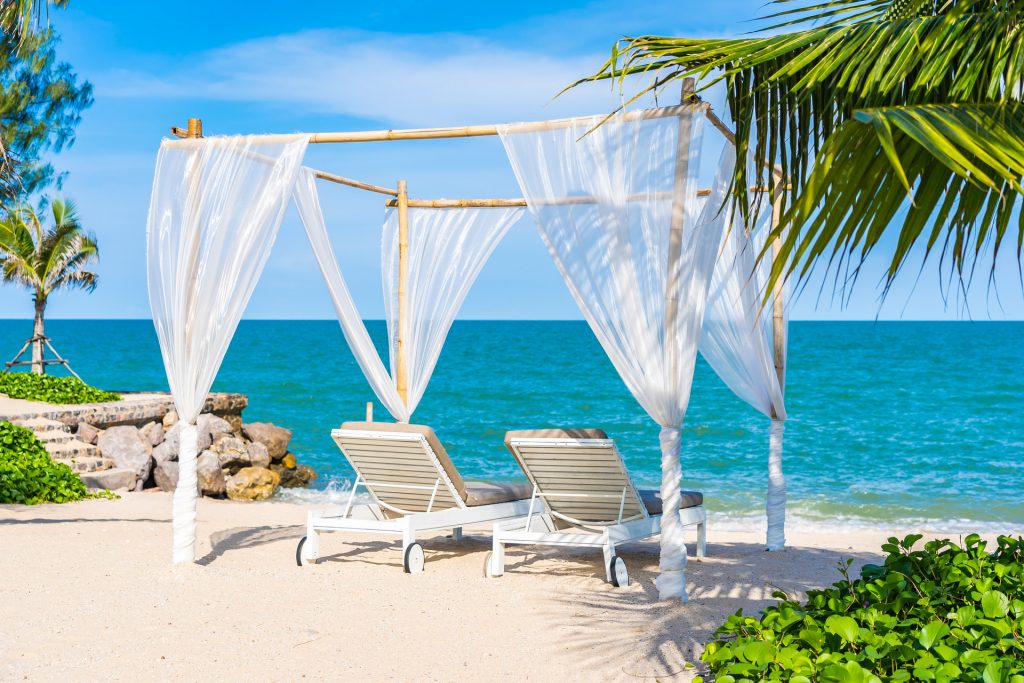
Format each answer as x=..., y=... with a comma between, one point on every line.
x=944, y=613
x=50, y=389
x=29, y=476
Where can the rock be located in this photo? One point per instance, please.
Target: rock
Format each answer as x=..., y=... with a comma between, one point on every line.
x=170, y=418
x=258, y=454
x=275, y=438
x=235, y=421
x=172, y=439
x=288, y=460
x=232, y=453
x=297, y=477
x=126, y=448
x=252, y=483
x=212, y=426
x=87, y=433
x=165, y=452
x=152, y=433
x=165, y=474
x=211, y=477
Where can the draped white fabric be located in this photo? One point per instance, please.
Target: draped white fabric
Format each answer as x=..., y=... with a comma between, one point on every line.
x=215, y=210
x=616, y=205
x=737, y=337
x=447, y=250
x=307, y=202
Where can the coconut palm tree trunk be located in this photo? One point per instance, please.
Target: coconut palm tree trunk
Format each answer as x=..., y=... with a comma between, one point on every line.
x=38, y=334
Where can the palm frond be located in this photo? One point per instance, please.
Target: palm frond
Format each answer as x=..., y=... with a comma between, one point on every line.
x=943, y=176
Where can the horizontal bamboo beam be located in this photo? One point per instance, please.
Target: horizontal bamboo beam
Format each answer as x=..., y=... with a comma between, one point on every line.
x=514, y=202
x=341, y=180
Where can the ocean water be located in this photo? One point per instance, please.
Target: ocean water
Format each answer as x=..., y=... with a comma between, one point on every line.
x=890, y=422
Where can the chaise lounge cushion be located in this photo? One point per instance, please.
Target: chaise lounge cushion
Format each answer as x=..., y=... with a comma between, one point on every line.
x=422, y=430
x=652, y=500
x=481, y=493
x=553, y=434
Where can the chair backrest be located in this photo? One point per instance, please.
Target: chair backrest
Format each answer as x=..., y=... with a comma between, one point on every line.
x=404, y=466
x=579, y=474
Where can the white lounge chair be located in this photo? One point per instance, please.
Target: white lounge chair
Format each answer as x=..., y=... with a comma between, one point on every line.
x=414, y=486
x=581, y=484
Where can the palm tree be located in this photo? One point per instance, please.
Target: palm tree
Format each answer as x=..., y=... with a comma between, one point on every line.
x=46, y=260
x=885, y=116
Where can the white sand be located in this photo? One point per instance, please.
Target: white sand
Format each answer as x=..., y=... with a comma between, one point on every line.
x=87, y=592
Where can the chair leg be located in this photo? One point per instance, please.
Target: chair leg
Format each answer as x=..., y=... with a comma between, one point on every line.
x=457, y=533
x=311, y=548
x=702, y=538
x=497, y=554
x=608, y=549
x=408, y=535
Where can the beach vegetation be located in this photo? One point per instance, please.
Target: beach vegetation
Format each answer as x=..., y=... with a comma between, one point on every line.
x=41, y=100
x=51, y=389
x=29, y=476
x=894, y=123
x=46, y=259
x=941, y=612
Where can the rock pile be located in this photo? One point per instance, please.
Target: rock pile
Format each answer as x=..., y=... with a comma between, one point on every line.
x=243, y=461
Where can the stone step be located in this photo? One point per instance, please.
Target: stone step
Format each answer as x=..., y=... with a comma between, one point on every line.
x=53, y=437
x=40, y=425
x=117, y=478
x=87, y=463
x=72, y=448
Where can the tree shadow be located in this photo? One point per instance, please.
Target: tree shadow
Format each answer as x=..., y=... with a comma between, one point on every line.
x=653, y=639
x=10, y=521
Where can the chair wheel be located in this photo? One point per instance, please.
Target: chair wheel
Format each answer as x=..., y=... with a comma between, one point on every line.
x=414, y=560
x=617, y=570
x=300, y=559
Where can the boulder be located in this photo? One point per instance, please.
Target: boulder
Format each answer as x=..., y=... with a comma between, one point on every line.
x=211, y=477
x=258, y=454
x=288, y=460
x=87, y=433
x=232, y=453
x=212, y=426
x=252, y=483
x=165, y=475
x=296, y=477
x=170, y=418
x=126, y=448
x=152, y=433
x=172, y=439
x=275, y=438
x=165, y=452
x=235, y=421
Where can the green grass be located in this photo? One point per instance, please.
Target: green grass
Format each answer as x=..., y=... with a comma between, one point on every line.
x=50, y=389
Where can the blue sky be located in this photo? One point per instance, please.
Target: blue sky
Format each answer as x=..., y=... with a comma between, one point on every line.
x=256, y=67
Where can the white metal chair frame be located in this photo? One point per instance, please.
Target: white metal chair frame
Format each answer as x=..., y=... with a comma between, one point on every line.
x=606, y=535
x=410, y=522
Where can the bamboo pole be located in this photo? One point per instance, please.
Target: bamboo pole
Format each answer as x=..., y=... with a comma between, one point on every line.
x=401, y=367
x=358, y=184
x=778, y=312
x=675, y=236
x=514, y=202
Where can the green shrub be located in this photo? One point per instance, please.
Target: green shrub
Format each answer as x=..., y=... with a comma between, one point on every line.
x=944, y=613
x=50, y=389
x=27, y=473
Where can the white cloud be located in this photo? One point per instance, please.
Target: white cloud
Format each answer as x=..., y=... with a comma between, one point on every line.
x=400, y=79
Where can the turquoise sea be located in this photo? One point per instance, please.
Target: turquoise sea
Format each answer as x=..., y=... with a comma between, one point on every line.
x=906, y=422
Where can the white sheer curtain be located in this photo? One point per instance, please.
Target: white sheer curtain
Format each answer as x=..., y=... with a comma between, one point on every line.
x=214, y=213
x=737, y=337
x=447, y=250
x=616, y=205
x=307, y=201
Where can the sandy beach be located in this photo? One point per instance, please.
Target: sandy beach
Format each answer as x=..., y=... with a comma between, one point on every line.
x=89, y=593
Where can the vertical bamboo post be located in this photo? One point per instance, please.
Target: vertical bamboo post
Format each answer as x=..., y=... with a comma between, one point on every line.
x=401, y=350
x=778, y=317
x=369, y=411
x=675, y=236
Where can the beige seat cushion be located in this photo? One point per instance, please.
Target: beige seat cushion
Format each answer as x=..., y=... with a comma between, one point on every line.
x=652, y=500
x=432, y=441
x=481, y=493
x=553, y=434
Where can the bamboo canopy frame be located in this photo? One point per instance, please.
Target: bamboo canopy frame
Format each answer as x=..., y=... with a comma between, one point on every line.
x=399, y=199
